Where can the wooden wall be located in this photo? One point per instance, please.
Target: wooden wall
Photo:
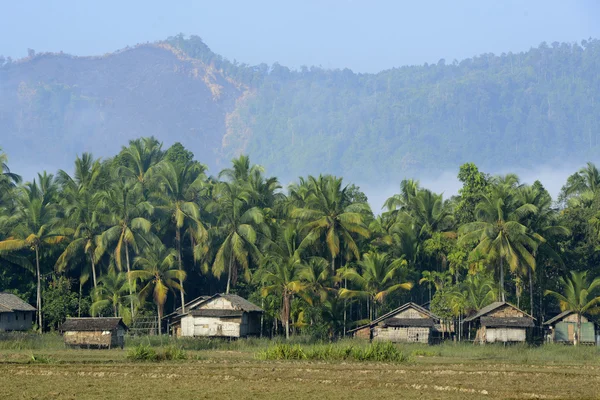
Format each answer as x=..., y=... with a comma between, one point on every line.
x=505, y=335
x=16, y=321
x=402, y=334
x=211, y=326
x=95, y=339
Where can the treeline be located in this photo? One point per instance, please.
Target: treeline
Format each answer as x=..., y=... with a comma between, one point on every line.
x=149, y=229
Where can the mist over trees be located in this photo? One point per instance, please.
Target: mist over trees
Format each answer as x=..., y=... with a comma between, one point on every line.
x=141, y=233
x=526, y=109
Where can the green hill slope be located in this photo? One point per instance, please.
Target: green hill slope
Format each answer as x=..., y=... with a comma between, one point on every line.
x=507, y=111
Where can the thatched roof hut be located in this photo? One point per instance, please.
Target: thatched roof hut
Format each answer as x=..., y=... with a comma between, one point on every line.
x=94, y=332
x=221, y=315
x=501, y=322
x=407, y=323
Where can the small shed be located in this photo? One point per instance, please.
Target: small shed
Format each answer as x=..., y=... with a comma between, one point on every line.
x=501, y=322
x=100, y=333
x=221, y=315
x=15, y=314
x=408, y=323
x=562, y=328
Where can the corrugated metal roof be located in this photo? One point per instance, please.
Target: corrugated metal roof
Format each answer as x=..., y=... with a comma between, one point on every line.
x=91, y=324
x=560, y=316
x=403, y=308
x=9, y=302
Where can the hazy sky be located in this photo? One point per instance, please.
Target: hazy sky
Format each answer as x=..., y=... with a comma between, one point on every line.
x=366, y=36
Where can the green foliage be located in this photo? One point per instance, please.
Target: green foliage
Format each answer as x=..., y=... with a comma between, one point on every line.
x=60, y=302
x=378, y=351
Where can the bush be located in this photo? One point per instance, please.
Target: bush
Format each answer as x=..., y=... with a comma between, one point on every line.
x=142, y=353
x=378, y=351
x=145, y=352
x=39, y=359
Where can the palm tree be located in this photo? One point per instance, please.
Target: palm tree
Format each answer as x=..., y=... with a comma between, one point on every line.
x=8, y=180
x=158, y=269
x=80, y=201
x=499, y=231
x=177, y=189
x=379, y=276
x=140, y=157
x=238, y=226
x=586, y=180
x=316, y=277
x=127, y=226
x=279, y=272
x=328, y=217
x=35, y=225
x=435, y=278
x=577, y=297
x=113, y=293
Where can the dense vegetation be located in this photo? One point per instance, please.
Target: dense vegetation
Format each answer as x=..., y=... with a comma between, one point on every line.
x=523, y=110
x=149, y=229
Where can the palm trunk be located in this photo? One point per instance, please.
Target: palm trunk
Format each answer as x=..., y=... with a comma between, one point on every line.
x=39, y=287
x=345, y=310
x=158, y=308
x=229, y=272
x=578, y=333
x=502, y=279
x=531, y=292
x=178, y=240
x=94, y=271
x=285, y=314
x=129, y=278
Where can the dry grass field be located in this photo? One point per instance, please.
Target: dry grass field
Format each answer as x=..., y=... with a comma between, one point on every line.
x=440, y=372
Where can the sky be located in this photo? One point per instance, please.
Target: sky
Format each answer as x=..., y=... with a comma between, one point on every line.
x=365, y=36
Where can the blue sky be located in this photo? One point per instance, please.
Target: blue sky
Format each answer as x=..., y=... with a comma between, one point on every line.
x=366, y=36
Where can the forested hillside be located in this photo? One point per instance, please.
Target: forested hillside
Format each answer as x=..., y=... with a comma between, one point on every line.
x=500, y=111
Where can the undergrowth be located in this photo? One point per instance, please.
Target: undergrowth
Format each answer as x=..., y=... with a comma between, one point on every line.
x=378, y=351
x=145, y=352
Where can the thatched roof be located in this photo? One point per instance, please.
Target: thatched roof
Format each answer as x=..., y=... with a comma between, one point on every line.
x=507, y=322
x=559, y=317
x=409, y=322
x=216, y=313
x=404, y=307
x=494, y=306
x=238, y=303
x=91, y=324
x=10, y=303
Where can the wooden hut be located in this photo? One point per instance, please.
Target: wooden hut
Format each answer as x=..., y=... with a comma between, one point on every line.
x=408, y=323
x=221, y=315
x=562, y=328
x=15, y=314
x=501, y=322
x=100, y=333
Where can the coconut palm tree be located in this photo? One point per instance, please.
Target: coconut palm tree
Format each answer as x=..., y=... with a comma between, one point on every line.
x=578, y=297
x=35, y=225
x=177, y=189
x=316, y=277
x=125, y=213
x=157, y=268
x=139, y=158
x=279, y=272
x=113, y=293
x=80, y=201
x=378, y=276
x=237, y=230
x=327, y=217
x=499, y=231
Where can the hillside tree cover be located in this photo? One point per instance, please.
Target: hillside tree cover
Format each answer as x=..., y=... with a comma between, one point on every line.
x=138, y=233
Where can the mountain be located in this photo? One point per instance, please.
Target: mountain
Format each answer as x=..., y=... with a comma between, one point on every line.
x=539, y=107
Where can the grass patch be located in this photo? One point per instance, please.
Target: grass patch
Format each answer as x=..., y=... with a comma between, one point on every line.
x=39, y=359
x=378, y=351
x=145, y=352
x=30, y=341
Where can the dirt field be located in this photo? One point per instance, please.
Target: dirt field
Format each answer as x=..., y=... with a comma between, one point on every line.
x=88, y=374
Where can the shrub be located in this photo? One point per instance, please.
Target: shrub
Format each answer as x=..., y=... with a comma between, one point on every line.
x=172, y=353
x=142, y=352
x=39, y=359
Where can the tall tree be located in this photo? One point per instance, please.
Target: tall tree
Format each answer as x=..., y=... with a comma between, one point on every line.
x=35, y=224
x=499, y=231
x=158, y=270
x=177, y=191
